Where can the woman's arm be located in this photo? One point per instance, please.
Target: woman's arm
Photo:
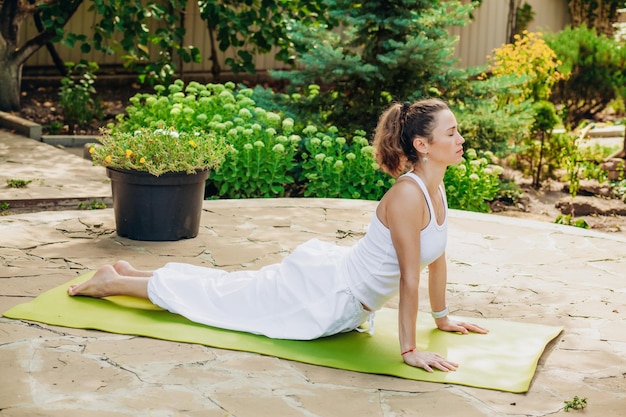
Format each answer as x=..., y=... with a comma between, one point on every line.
x=437, y=281
x=403, y=212
x=403, y=216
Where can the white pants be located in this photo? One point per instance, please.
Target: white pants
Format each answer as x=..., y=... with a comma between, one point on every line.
x=304, y=297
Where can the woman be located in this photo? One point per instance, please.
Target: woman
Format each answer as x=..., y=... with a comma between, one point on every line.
x=322, y=289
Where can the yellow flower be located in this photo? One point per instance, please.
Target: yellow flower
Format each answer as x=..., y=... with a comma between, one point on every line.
x=128, y=153
x=192, y=143
x=92, y=150
x=142, y=160
x=107, y=159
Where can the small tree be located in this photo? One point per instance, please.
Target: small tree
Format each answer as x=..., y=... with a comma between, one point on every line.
x=545, y=121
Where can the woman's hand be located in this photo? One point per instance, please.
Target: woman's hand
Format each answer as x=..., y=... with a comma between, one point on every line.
x=428, y=361
x=448, y=325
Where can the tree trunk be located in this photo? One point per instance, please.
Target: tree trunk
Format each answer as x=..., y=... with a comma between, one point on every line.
x=13, y=54
x=215, y=63
x=511, y=20
x=10, y=82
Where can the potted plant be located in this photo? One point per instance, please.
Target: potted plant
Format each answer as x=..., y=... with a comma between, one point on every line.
x=157, y=179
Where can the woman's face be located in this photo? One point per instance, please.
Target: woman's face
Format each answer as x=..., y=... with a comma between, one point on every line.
x=447, y=144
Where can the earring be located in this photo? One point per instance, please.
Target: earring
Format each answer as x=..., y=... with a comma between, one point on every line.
x=425, y=159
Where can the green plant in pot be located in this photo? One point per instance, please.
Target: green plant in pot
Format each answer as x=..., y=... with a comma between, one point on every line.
x=158, y=178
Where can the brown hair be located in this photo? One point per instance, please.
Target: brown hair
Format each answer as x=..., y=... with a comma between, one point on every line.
x=396, y=129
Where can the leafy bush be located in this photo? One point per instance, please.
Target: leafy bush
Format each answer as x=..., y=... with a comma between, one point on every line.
x=268, y=154
x=509, y=192
x=592, y=157
x=525, y=156
x=77, y=95
x=618, y=189
x=186, y=108
x=262, y=162
x=583, y=161
x=471, y=184
x=595, y=69
x=334, y=167
x=489, y=123
x=293, y=105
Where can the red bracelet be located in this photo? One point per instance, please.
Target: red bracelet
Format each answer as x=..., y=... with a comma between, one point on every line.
x=407, y=351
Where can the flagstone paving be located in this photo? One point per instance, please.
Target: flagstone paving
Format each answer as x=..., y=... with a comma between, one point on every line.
x=499, y=267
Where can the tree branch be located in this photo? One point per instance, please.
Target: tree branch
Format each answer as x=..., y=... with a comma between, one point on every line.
x=42, y=38
x=32, y=46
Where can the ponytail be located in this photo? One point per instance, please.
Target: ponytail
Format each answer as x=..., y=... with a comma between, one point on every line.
x=397, y=128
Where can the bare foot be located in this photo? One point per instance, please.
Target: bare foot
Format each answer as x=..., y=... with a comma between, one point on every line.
x=125, y=268
x=98, y=285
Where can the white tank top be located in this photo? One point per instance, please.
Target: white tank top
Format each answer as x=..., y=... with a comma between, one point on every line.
x=371, y=266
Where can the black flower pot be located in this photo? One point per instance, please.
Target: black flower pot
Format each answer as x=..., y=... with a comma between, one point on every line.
x=163, y=208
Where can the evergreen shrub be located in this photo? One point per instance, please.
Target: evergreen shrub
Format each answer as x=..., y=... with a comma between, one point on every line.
x=402, y=51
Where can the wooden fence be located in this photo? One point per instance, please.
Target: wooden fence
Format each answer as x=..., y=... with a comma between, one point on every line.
x=476, y=40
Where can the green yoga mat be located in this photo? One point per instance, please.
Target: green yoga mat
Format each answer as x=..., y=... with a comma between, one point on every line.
x=505, y=359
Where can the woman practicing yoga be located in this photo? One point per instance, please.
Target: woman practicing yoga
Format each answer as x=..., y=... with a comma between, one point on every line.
x=322, y=289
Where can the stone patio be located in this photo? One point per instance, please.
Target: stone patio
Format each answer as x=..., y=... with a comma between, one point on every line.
x=499, y=267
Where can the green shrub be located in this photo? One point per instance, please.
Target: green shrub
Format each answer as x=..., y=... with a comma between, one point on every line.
x=488, y=118
x=509, y=192
x=525, y=156
x=262, y=162
x=473, y=183
x=186, y=108
x=595, y=69
x=334, y=167
x=592, y=156
x=77, y=95
x=618, y=189
x=490, y=126
x=291, y=105
x=273, y=156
